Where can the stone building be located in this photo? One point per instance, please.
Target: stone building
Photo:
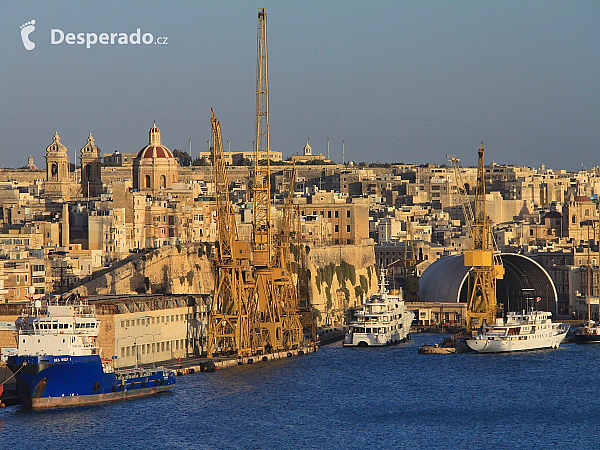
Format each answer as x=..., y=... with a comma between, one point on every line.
x=154, y=167
x=137, y=329
x=577, y=212
x=57, y=170
x=349, y=216
x=91, y=170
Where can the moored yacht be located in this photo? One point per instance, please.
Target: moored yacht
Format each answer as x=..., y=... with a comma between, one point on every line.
x=382, y=320
x=588, y=334
x=519, y=331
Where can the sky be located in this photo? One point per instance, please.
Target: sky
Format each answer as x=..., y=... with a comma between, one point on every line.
x=398, y=81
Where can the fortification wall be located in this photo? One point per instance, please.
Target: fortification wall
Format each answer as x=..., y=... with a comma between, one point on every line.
x=339, y=277
x=169, y=269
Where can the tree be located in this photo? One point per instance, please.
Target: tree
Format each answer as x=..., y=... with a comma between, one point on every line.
x=183, y=158
x=243, y=162
x=200, y=162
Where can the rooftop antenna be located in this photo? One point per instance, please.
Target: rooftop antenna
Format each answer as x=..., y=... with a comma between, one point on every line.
x=327, y=147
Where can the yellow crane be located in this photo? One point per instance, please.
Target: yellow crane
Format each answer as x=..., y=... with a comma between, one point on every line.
x=485, y=266
x=266, y=275
x=286, y=288
x=233, y=319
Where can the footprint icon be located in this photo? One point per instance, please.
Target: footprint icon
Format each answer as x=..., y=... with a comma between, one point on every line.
x=26, y=30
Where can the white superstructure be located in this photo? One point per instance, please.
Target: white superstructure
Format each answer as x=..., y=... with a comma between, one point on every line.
x=382, y=320
x=520, y=331
x=58, y=330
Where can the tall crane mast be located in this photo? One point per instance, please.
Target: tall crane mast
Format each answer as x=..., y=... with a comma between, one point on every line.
x=266, y=276
x=486, y=268
x=233, y=317
x=261, y=188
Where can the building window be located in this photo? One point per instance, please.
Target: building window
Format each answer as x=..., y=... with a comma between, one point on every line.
x=337, y=228
x=347, y=213
x=348, y=228
x=148, y=181
x=329, y=214
x=337, y=214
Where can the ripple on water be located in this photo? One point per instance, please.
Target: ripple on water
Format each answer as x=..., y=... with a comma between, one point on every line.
x=345, y=398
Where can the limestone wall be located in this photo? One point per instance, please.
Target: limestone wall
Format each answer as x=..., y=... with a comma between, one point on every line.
x=170, y=269
x=339, y=276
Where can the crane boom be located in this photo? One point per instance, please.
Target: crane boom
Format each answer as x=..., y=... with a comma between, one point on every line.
x=225, y=218
x=232, y=326
x=261, y=188
x=463, y=196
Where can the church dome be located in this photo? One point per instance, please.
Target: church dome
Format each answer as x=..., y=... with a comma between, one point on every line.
x=154, y=149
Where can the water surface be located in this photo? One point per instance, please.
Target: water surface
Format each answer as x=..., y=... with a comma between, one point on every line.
x=346, y=398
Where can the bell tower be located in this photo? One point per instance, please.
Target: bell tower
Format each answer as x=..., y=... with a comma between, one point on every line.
x=91, y=172
x=57, y=170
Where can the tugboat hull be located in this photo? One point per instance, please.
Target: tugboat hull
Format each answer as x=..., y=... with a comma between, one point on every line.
x=52, y=381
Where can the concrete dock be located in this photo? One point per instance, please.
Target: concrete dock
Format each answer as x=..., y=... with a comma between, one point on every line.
x=195, y=364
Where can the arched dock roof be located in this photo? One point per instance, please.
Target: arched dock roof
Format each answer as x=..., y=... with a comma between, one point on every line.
x=446, y=281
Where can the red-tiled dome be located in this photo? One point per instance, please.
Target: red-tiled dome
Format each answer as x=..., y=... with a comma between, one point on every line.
x=155, y=151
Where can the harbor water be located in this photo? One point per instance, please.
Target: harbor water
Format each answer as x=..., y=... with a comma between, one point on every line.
x=342, y=398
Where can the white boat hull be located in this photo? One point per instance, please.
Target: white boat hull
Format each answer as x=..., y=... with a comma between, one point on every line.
x=382, y=320
x=376, y=339
x=497, y=344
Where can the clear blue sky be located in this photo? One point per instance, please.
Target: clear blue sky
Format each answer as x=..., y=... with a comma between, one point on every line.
x=398, y=81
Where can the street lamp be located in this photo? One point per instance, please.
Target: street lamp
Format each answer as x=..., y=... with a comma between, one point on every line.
x=229, y=146
x=327, y=147
x=343, y=151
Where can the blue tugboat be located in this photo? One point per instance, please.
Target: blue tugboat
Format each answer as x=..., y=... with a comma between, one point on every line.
x=58, y=361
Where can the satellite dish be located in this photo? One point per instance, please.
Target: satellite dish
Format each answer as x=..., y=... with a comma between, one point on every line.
x=31, y=290
x=37, y=304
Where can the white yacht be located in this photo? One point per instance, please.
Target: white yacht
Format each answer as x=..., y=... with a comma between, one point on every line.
x=382, y=320
x=519, y=331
